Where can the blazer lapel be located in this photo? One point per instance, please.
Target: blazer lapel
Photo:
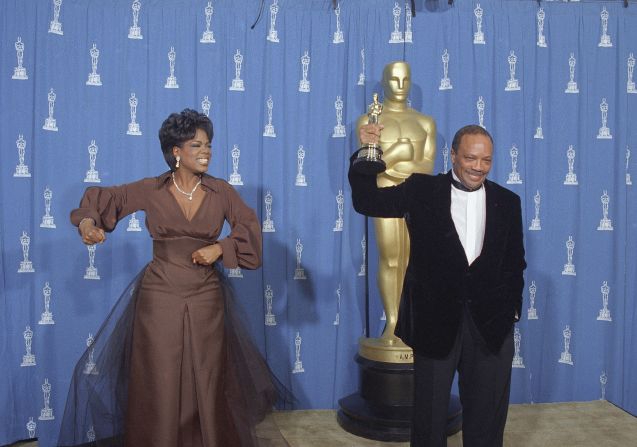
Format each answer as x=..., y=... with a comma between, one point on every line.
x=490, y=227
x=443, y=211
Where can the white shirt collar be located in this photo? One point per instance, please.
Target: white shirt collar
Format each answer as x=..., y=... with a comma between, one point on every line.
x=455, y=177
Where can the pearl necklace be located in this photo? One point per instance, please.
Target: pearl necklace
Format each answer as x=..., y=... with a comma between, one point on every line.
x=187, y=194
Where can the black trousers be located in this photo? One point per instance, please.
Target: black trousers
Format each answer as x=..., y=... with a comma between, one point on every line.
x=484, y=381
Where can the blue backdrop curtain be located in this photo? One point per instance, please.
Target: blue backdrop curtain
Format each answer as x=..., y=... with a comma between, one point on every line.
x=521, y=84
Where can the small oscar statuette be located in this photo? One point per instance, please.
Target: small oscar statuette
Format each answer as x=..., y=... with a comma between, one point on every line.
x=31, y=426
x=46, y=414
x=369, y=157
x=270, y=318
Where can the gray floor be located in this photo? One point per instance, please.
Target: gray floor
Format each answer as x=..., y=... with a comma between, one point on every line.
x=586, y=424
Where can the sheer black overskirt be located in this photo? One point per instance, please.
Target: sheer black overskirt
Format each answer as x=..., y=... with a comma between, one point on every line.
x=98, y=395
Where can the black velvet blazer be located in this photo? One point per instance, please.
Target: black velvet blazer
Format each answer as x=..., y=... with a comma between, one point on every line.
x=439, y=281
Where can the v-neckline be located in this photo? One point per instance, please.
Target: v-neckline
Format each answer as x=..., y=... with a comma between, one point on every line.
x=181, y=211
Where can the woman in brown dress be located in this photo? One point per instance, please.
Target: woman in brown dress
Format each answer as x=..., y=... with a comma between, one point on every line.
x=175, y=368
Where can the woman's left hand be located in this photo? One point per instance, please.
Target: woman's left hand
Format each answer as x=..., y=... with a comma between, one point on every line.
x=207, y=255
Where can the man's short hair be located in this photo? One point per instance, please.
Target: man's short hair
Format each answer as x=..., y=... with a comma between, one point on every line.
x=471, y=129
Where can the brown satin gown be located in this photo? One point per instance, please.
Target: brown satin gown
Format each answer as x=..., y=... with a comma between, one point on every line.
x=177, y=377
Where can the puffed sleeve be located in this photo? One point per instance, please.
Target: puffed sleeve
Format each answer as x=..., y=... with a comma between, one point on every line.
x=242, y=247
x=108, y=205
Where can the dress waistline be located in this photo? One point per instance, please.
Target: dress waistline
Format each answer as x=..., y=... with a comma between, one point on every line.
x=178, y=251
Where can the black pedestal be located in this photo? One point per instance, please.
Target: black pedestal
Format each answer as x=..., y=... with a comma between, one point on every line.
x=382, y=408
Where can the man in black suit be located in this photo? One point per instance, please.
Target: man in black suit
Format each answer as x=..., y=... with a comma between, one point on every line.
x=463, y=287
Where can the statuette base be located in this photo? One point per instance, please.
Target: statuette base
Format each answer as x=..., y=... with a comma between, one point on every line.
x=273, y=36
x=605, y=42
x=512, y=85
x=514, y=179
x=46, y=414
x=92, y=176
x=133, y=129
x=270, y=320
x=298, y=367
x=94, y=79
x=46, y=318
x=135, y=32
x=369, y=160
x=605, y=224
x=604, y=315
x=571, y=179
x=28, y=360
x=23, y=171
x=91, y=273
x=604, y=134
x=26, y=267
x=339, y=131
x=235, y=273
x=133, y=225
x=20, y=73
x=50, y=124
x=382, y=408
x=47, y=222
x=91, y=369
x=268, y=226
x=566, y=358
x=171, y=82
x=571, y=87
x=569, y=270
x=235, y=179
x=207, y=37
x=237, y=85
x=56, y=28
x=518, y=362
x=268, y=131
x=445, y=84
x=396, y=37
x=300, y=180
x=535, y=225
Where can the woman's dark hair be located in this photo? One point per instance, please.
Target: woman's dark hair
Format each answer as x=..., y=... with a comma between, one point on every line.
x=471, y=129
x=181, y=127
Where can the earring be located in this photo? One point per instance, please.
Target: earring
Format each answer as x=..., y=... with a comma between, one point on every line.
x=178, y=158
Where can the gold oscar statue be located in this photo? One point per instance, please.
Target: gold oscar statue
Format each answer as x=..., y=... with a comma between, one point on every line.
x=408, y=142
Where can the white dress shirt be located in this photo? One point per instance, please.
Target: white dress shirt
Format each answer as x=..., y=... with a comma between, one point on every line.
x=469, y=212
